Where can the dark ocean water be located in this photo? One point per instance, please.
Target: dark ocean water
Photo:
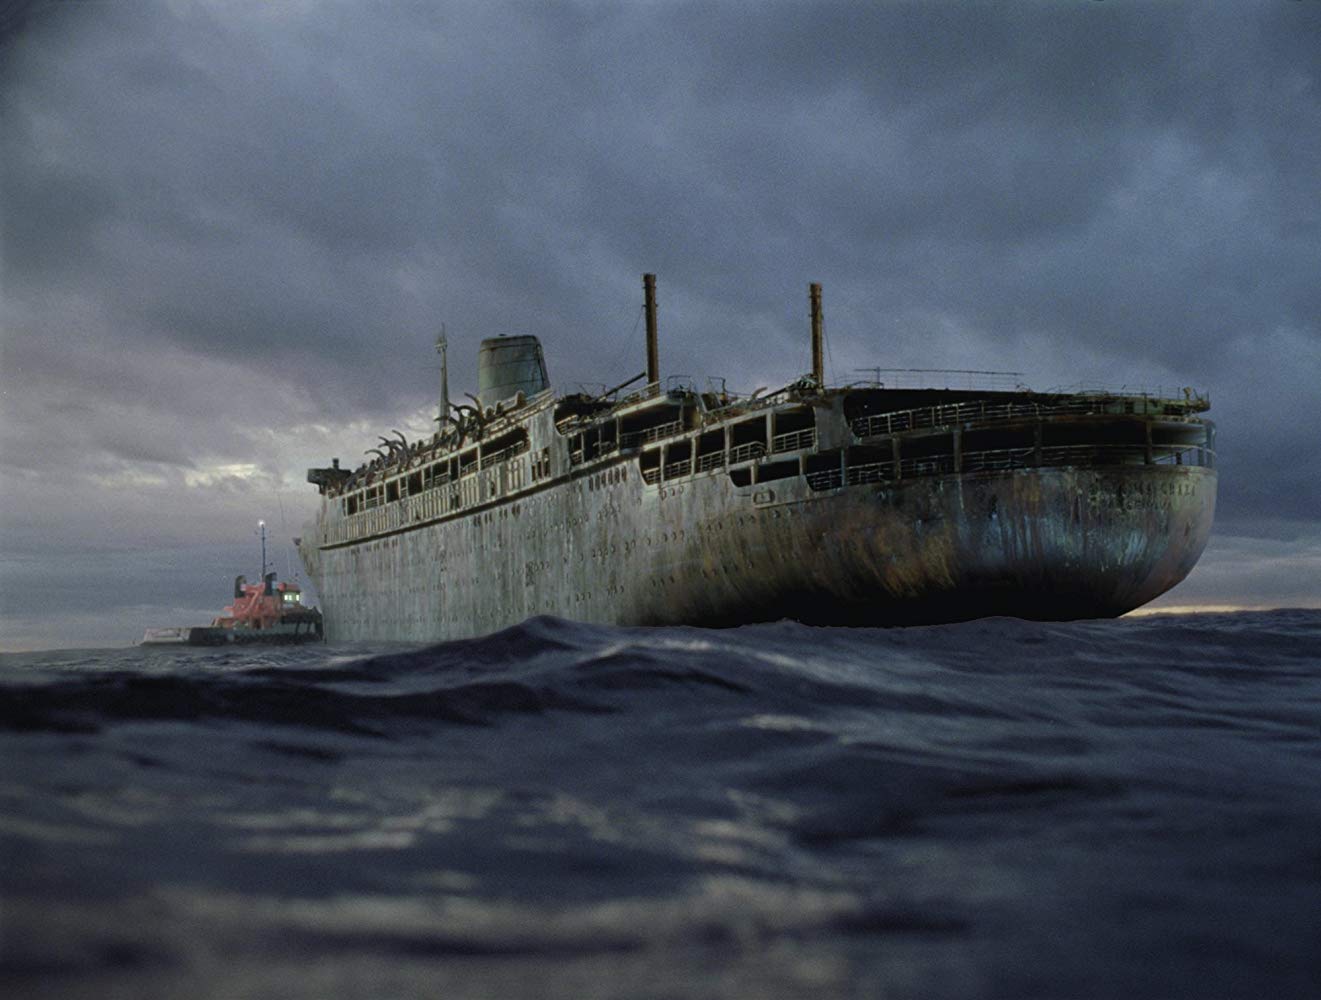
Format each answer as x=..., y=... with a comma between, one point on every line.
x=996, y=809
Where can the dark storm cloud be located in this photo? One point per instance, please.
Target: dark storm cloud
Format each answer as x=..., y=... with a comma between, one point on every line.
x=1004, y=166
x=219, y=214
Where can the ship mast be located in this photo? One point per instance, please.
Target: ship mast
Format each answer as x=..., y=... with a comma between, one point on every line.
x=261, y=526
x=441, y=344
x=818, y=336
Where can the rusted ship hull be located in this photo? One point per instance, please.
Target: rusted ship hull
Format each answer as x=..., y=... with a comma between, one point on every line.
x=865, y=504
x=1053, y=544
x=1057, y=543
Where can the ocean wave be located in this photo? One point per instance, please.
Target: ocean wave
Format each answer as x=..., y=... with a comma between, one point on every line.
x=999, y=808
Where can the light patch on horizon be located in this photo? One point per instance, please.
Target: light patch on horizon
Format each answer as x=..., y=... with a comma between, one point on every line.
x=1252, y=572
x=127, y=479
x=1211, y=609
x=216, y=475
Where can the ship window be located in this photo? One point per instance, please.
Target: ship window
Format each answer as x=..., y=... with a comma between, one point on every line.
x=1130, y=432
x=415, y=484
x=928, y=446
x=711, y=450
x=678, y=459
x=777, y=470
x=649, y=464
x=824, y=470
x=392, y=491
x=868, y=464
x=435, y=474
x=505, y=447
x=650, y=425
x=864, y=402
x=930, y=455
x=741, y=477
x=997, y=438
x=748, y=440
x=788, y=421
x=750, y=430
x=541, y=465
x=794, y=430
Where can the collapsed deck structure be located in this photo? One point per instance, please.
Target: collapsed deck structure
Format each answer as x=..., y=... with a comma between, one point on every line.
x=862, y=504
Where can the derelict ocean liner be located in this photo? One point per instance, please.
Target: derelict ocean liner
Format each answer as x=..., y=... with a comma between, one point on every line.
x=853, y=505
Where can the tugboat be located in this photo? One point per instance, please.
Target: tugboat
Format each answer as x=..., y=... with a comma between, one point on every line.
x=266, y=612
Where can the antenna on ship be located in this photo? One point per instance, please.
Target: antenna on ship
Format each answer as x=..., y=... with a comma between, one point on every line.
x=441, y=344
x=261, y=527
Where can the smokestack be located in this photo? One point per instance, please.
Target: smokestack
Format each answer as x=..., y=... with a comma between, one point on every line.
x=653, y=351
x=818, y=362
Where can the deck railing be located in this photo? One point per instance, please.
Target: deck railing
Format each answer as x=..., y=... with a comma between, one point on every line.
x=827, y=479
x=634, y=438
x=794, y=440
x=676, y=469
x=715, y=460
x=503, y=455
x=441, y=501
x=743, y=452
x=1002, y=459
x=649, y=391
x=982, y=412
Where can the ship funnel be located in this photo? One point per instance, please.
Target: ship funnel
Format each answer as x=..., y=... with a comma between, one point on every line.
x=653, y=350
x=507, y=366
x=818, y=337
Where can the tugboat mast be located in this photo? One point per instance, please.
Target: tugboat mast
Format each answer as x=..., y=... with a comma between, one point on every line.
x=261, y=526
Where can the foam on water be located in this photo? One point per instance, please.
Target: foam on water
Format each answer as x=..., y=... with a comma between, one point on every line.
x=1000, y=808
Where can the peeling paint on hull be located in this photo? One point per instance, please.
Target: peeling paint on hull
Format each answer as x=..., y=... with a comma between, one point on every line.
x=1048, y=543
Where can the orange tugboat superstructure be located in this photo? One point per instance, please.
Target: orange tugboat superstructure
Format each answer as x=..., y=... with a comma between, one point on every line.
x=261, y=612
x=261, y=605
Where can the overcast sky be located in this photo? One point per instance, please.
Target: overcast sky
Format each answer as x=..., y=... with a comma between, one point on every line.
x=231, y=231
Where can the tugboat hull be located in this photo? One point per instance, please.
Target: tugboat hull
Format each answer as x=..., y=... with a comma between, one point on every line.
x=207, y=635
x=266, y=612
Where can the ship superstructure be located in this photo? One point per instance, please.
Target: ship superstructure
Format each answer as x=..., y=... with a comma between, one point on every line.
x=860, y=504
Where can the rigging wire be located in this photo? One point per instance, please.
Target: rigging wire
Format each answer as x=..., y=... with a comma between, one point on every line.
x=289, y=573
x=623, y=352
x=830, y=358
